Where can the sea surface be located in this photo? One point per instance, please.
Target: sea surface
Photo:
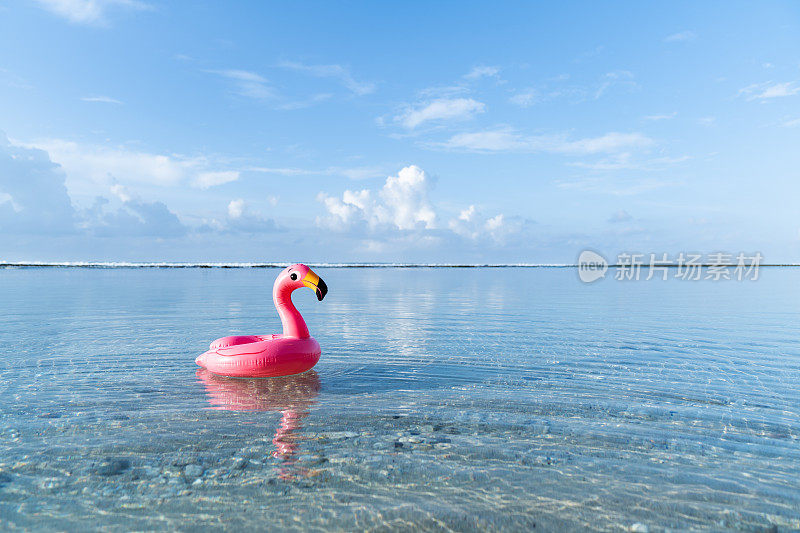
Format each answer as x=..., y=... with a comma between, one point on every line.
x=479, y=399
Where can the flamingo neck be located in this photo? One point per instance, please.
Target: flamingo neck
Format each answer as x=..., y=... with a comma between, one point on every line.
x=292, y=320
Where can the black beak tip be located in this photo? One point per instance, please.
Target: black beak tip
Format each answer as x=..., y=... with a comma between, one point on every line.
x=322, y=290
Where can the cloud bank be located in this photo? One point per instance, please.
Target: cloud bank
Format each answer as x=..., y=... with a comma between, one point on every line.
x=91, y=168
x=33, y=197
x=403, y=206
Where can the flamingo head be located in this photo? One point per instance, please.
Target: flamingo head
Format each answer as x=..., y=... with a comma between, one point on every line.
x=299, y=275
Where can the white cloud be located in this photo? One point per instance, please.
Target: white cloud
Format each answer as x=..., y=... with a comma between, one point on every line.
x=472, y=225
x=121, y=192
x=525, y=99
x=406, y=196
x=765, y=91
x=247, y=83
x=443, y=109
x=332, y=71
x=89, y=11
x=560, y=87
x=34, y=201
x=285, y=171
x=666, y=116
x=308, y=102
x=100, y=163
x=239, y=219
x=360, y=173
x=341, y=213
x=467, y=214
x=90, y=168
x=7, y=198
x=610, y=142
x=446, y=91
x=236, y=208
x=507, y=140
x=205, y=180
x=482, y=72
x=353, y=173
x=101, y=99
x=778, y=90
x=38, y=203
x=401, y=204
x=495, y=223
x=682, y=36
x=615, y=78
x=488, y=141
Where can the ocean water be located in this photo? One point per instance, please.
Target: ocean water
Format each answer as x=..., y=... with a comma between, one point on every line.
x=445, y=399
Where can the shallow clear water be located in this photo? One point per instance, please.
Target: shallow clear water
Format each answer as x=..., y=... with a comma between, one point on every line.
x=463, y=399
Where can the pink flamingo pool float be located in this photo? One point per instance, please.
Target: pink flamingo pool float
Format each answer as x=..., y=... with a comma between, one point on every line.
x=267, y=356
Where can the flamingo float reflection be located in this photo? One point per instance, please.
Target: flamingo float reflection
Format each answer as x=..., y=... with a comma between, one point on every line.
x=292, y=396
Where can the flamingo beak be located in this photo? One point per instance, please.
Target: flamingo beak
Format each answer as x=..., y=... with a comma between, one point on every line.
x=313, y=282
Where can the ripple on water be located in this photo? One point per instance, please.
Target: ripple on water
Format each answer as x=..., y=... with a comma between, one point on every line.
x=456, y=399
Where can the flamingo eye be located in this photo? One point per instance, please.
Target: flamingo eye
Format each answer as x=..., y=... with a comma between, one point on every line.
x=293, y=276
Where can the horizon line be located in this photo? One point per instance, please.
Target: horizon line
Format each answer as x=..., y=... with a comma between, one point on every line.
x=283, y=264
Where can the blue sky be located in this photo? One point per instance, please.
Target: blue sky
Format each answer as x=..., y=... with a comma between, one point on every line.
x=254, y=131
